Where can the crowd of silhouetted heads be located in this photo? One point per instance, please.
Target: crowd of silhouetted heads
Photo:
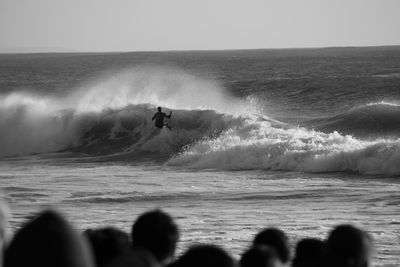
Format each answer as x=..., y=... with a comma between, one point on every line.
x=49, y=240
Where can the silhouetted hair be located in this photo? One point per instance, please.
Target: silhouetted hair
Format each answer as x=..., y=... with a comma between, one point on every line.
x=156, y=231
x=259, y=256
x=4, y=217
x=133, y=258
x=308, y=251
x=276, y=239
x=47, y=241
x=159, y=108
x=107, y=243
x=204, y=256
x=4, y=227
x=348, y=246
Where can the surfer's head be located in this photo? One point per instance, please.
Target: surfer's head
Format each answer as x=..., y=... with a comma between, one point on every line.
x=159, y=109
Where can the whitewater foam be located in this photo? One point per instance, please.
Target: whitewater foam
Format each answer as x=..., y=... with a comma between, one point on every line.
x=32, y=123
x=260, y=146
x=382, y=103
x=161, y=86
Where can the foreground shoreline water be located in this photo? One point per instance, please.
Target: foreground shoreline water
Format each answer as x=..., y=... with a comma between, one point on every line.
x=48, y=239
x=223, y=208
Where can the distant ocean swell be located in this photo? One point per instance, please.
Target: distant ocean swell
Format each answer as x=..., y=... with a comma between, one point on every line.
x=162, y=196
x=381, y=119
x=211, y=130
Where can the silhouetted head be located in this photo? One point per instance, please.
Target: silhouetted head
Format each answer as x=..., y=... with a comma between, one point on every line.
x=260, y=256
x=159, y=109
x=107, y=244
x=4, y=228
x=275, y=239
x=348, y=246
x=308, y=250
x=133, y=258
x=204, y=256
x=157, y=232
x=47, y=241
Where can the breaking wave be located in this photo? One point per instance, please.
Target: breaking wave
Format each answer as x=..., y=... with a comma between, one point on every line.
x=258, y=145
x=111, y=114
x=110, y=118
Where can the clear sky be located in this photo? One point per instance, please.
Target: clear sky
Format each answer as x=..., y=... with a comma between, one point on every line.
x=142, y=25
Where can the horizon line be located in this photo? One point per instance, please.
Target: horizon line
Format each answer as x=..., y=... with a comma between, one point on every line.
x=196, y=50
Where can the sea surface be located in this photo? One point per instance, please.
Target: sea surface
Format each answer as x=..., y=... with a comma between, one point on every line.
x=300, y=139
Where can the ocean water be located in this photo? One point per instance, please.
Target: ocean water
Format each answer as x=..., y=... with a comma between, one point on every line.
x=300, y=139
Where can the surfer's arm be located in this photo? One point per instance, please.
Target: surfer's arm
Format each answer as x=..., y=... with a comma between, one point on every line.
x=154, y=117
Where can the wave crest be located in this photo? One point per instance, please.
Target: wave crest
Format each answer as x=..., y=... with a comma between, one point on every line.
x=259, y=146
x=376, y=119
x=95, y=117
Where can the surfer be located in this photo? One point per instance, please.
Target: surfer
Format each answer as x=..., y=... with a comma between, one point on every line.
x=159, y=117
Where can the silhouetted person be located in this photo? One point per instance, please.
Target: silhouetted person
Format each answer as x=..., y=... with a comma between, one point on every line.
x=133, y=258
x=157, y=232
x=204, y=256
x=4, y=228
x=260, y=256
x=309, y=252
x=275, y=239
x=348, y=246
x=107, y=244
x=48, y=241
x=159, y=117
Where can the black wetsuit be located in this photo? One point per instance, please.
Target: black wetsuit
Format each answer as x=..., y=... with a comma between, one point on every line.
x=159, y=117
